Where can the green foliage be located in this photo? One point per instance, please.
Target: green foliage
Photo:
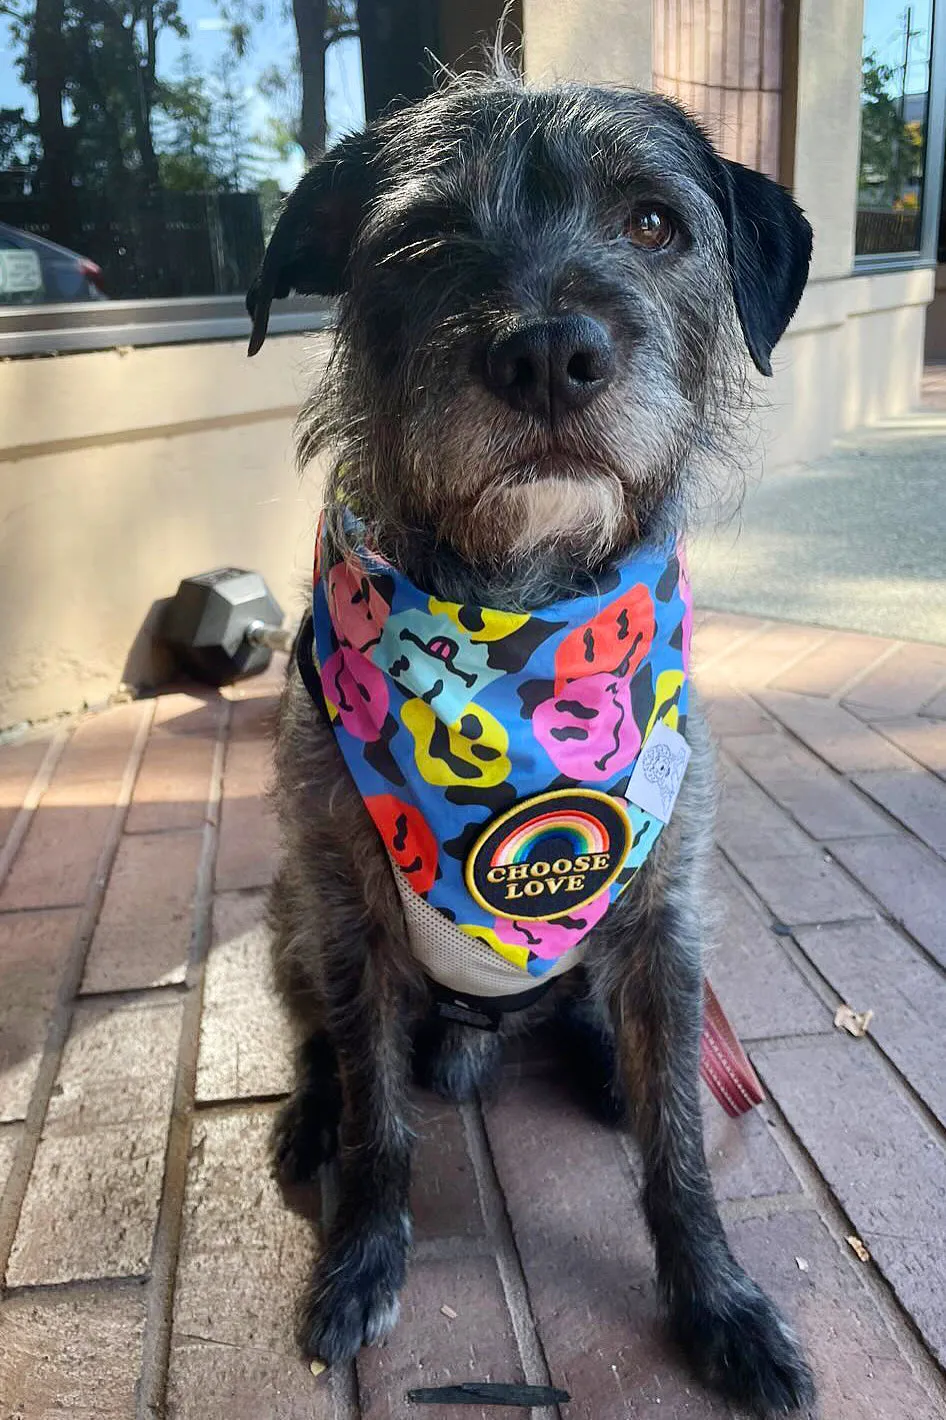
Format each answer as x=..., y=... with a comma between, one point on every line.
x=891, y=159
x=17, y=146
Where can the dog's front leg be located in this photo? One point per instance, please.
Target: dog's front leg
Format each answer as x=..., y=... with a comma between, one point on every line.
x=353, y=1299
x=729, y=1330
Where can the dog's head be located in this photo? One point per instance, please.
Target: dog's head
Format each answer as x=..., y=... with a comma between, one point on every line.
x=545, y=298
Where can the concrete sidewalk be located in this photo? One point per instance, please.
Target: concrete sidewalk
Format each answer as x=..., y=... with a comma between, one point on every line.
x=150, y=1266
x=856, y=540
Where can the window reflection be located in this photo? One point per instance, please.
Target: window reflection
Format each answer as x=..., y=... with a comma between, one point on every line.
x=895, y=77
x=145, y=144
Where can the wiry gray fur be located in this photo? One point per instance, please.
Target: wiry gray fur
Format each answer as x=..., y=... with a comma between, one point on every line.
x=486, y=205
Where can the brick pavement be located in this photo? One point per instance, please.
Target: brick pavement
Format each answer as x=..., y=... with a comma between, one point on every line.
x=149, y=1263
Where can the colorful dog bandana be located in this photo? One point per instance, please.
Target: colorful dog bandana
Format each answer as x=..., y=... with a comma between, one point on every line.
x=494, y=750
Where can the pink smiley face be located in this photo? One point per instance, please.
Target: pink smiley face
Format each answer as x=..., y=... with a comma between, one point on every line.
x=356, y=607
x=551, y=940
x=358, y=690
x=588, y=730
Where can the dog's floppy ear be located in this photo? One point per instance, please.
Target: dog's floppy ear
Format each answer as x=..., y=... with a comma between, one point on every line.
x=769, y=249
x=312, y=241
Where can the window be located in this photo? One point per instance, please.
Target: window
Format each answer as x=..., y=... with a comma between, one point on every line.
x=145, y=144
x=901, y=131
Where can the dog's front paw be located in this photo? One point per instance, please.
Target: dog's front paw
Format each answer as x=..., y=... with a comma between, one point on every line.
x=353, y=1300
x=738, y=1343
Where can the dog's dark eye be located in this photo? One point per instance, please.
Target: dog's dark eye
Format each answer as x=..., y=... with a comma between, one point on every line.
x=649, y=227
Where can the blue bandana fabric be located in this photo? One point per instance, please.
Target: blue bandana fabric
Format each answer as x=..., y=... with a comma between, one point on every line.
x=454, y=718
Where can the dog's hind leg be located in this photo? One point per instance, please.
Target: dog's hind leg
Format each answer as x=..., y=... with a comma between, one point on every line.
x=589, y=1046
x=455, y=1061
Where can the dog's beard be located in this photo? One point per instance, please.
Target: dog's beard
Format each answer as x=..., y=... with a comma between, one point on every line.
x=579, y=510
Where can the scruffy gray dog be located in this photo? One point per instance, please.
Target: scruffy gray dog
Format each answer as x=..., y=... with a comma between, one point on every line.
x=545, y=302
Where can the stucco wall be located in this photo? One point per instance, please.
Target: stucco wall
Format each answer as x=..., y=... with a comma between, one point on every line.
x=853, y=355
x=122, y=473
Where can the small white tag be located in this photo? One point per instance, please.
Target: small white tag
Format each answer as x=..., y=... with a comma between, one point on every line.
x=658, y=773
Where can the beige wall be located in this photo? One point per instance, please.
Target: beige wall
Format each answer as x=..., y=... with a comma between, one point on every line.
x=852, y=356
x=122, y=473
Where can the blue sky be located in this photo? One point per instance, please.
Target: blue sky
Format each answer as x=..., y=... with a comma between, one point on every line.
x=884, y=30
x=273, y=41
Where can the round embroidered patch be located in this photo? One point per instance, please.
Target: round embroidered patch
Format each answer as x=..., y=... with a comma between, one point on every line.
x=550, y=855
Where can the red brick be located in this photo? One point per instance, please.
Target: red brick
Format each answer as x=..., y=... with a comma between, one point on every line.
x=933, y=387
x=34, y=947
x=244, y=1256
x=191, y=712
x=902, y=684
x=749, y=825
x=255, y=718
x=744, y=1159
x=74, y=1355
x=730, y=712
x=828, y=668
x=144, y=930
x=765, y=656
x=9, y=1139
x=173, y=783
x=809, y=888
x=247, y=851
x=873, y=966
x=923, y=740
x=444, y=1197
x=217, y=1381
x=54, y=866
x=917, y=799
x=936, y=708
x=858, y=1369
x=761, y=992
x=824, y=805
x=887, y=1170
x=587, y=1260
x=19, y=763
x=92, y=1200
x=245, y=1039
x=428, y=1349
x=834, y=733
x=909, y=881
x=716, y=633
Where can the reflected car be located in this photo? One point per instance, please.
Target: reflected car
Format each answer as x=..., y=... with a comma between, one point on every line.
x=34, y=270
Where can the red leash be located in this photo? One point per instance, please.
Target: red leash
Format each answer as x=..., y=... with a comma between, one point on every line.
x=724, y=1064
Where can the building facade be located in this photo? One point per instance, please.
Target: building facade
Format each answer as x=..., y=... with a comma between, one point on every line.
x=139, y=446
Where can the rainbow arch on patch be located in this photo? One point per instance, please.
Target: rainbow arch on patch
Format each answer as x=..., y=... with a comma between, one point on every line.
x=584, y=832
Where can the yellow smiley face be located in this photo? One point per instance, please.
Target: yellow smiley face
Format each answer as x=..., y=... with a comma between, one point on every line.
x=471, y=751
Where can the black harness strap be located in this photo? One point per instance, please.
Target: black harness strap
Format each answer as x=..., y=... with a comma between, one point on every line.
x=310, y=676
x=482, y=1012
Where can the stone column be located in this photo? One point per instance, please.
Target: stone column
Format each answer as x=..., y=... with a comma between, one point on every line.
x=825, y=124
x=598, y=41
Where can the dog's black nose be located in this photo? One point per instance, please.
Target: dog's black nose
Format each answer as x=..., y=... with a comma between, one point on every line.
x=551, y=366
